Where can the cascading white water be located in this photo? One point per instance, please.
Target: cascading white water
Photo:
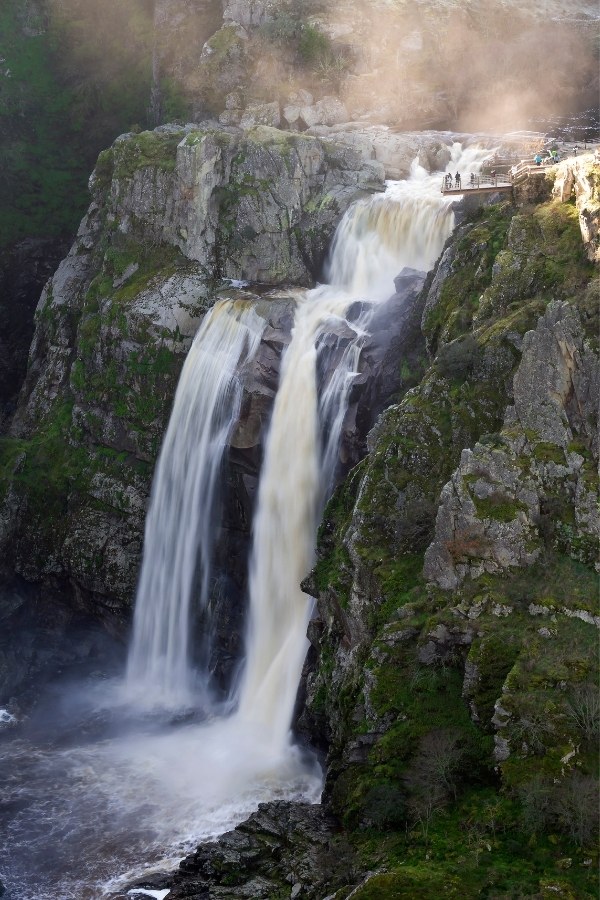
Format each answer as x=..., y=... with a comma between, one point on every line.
x=286, y=520
x=407, y=225
x=180, y=524
x=147, y=796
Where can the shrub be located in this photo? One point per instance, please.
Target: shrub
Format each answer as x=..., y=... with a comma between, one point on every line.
x=313, y=45
x=583, y=709
x=455, y=360
x=384, y=808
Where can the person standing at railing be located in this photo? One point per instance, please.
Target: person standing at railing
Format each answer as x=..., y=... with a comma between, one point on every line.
x=457, y=179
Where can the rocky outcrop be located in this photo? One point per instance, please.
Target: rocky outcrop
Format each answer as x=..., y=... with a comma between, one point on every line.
x=578, y=177
x=386, y=64
x=395, y=151
x=200, y=189
x=454, y=639
x=283, y=850
x=493, y=510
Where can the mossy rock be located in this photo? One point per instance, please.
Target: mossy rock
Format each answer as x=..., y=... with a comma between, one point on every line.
x=150, y=149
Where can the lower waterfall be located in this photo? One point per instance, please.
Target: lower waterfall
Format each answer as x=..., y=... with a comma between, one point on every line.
x=134, y=789
x=287, y=517
x=180, y=525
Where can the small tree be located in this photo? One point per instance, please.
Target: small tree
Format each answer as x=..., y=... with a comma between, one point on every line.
x=576, y=807
x=433, y=776
x=583, y=710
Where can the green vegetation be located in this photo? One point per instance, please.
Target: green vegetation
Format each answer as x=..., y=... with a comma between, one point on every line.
x=310, y=47
x=53, y=472
x=464, y=732
x=148, y=149
x=77, y=77
x=506, y=268
x=427, y=804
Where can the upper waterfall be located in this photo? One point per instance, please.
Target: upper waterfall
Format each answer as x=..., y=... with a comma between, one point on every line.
x=407, y=225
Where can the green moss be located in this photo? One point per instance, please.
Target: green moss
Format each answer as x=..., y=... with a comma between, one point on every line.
x=47, y=467
x=400, y=580
x=224, y=39
x=545, y=452
x=150, y=149
x=498, y=507
x=413, y=881
x=493, y=655
x=333, y=561
x=470, y=274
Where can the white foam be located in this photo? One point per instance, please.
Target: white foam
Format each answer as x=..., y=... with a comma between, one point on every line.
x=158, y=895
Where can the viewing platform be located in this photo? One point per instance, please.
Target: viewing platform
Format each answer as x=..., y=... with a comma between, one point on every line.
x=480, y=184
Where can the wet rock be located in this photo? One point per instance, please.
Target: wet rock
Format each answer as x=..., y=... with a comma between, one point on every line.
x=258, y=858
x=395, y=151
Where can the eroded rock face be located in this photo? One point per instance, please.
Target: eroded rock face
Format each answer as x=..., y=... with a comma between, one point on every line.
x=484, y=470
x=396, y=152
x=579, y=177
x=258, y=206
x=492, y=510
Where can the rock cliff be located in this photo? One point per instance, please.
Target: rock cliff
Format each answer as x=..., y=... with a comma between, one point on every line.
x=412, y=66
x=456, y=578
x=176, y=215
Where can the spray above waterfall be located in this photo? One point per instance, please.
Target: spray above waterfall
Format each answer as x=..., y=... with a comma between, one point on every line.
x=407, y=225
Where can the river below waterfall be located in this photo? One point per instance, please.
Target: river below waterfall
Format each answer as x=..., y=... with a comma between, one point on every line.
x=110, y=779
x=92, y=797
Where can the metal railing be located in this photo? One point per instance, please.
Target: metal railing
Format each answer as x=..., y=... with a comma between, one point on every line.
x=475, y=182
x=525, y=167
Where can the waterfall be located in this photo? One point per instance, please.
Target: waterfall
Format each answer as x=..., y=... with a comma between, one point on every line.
x=286, y=519
x=144, y=793
x=405, y=226
x=180, y=525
